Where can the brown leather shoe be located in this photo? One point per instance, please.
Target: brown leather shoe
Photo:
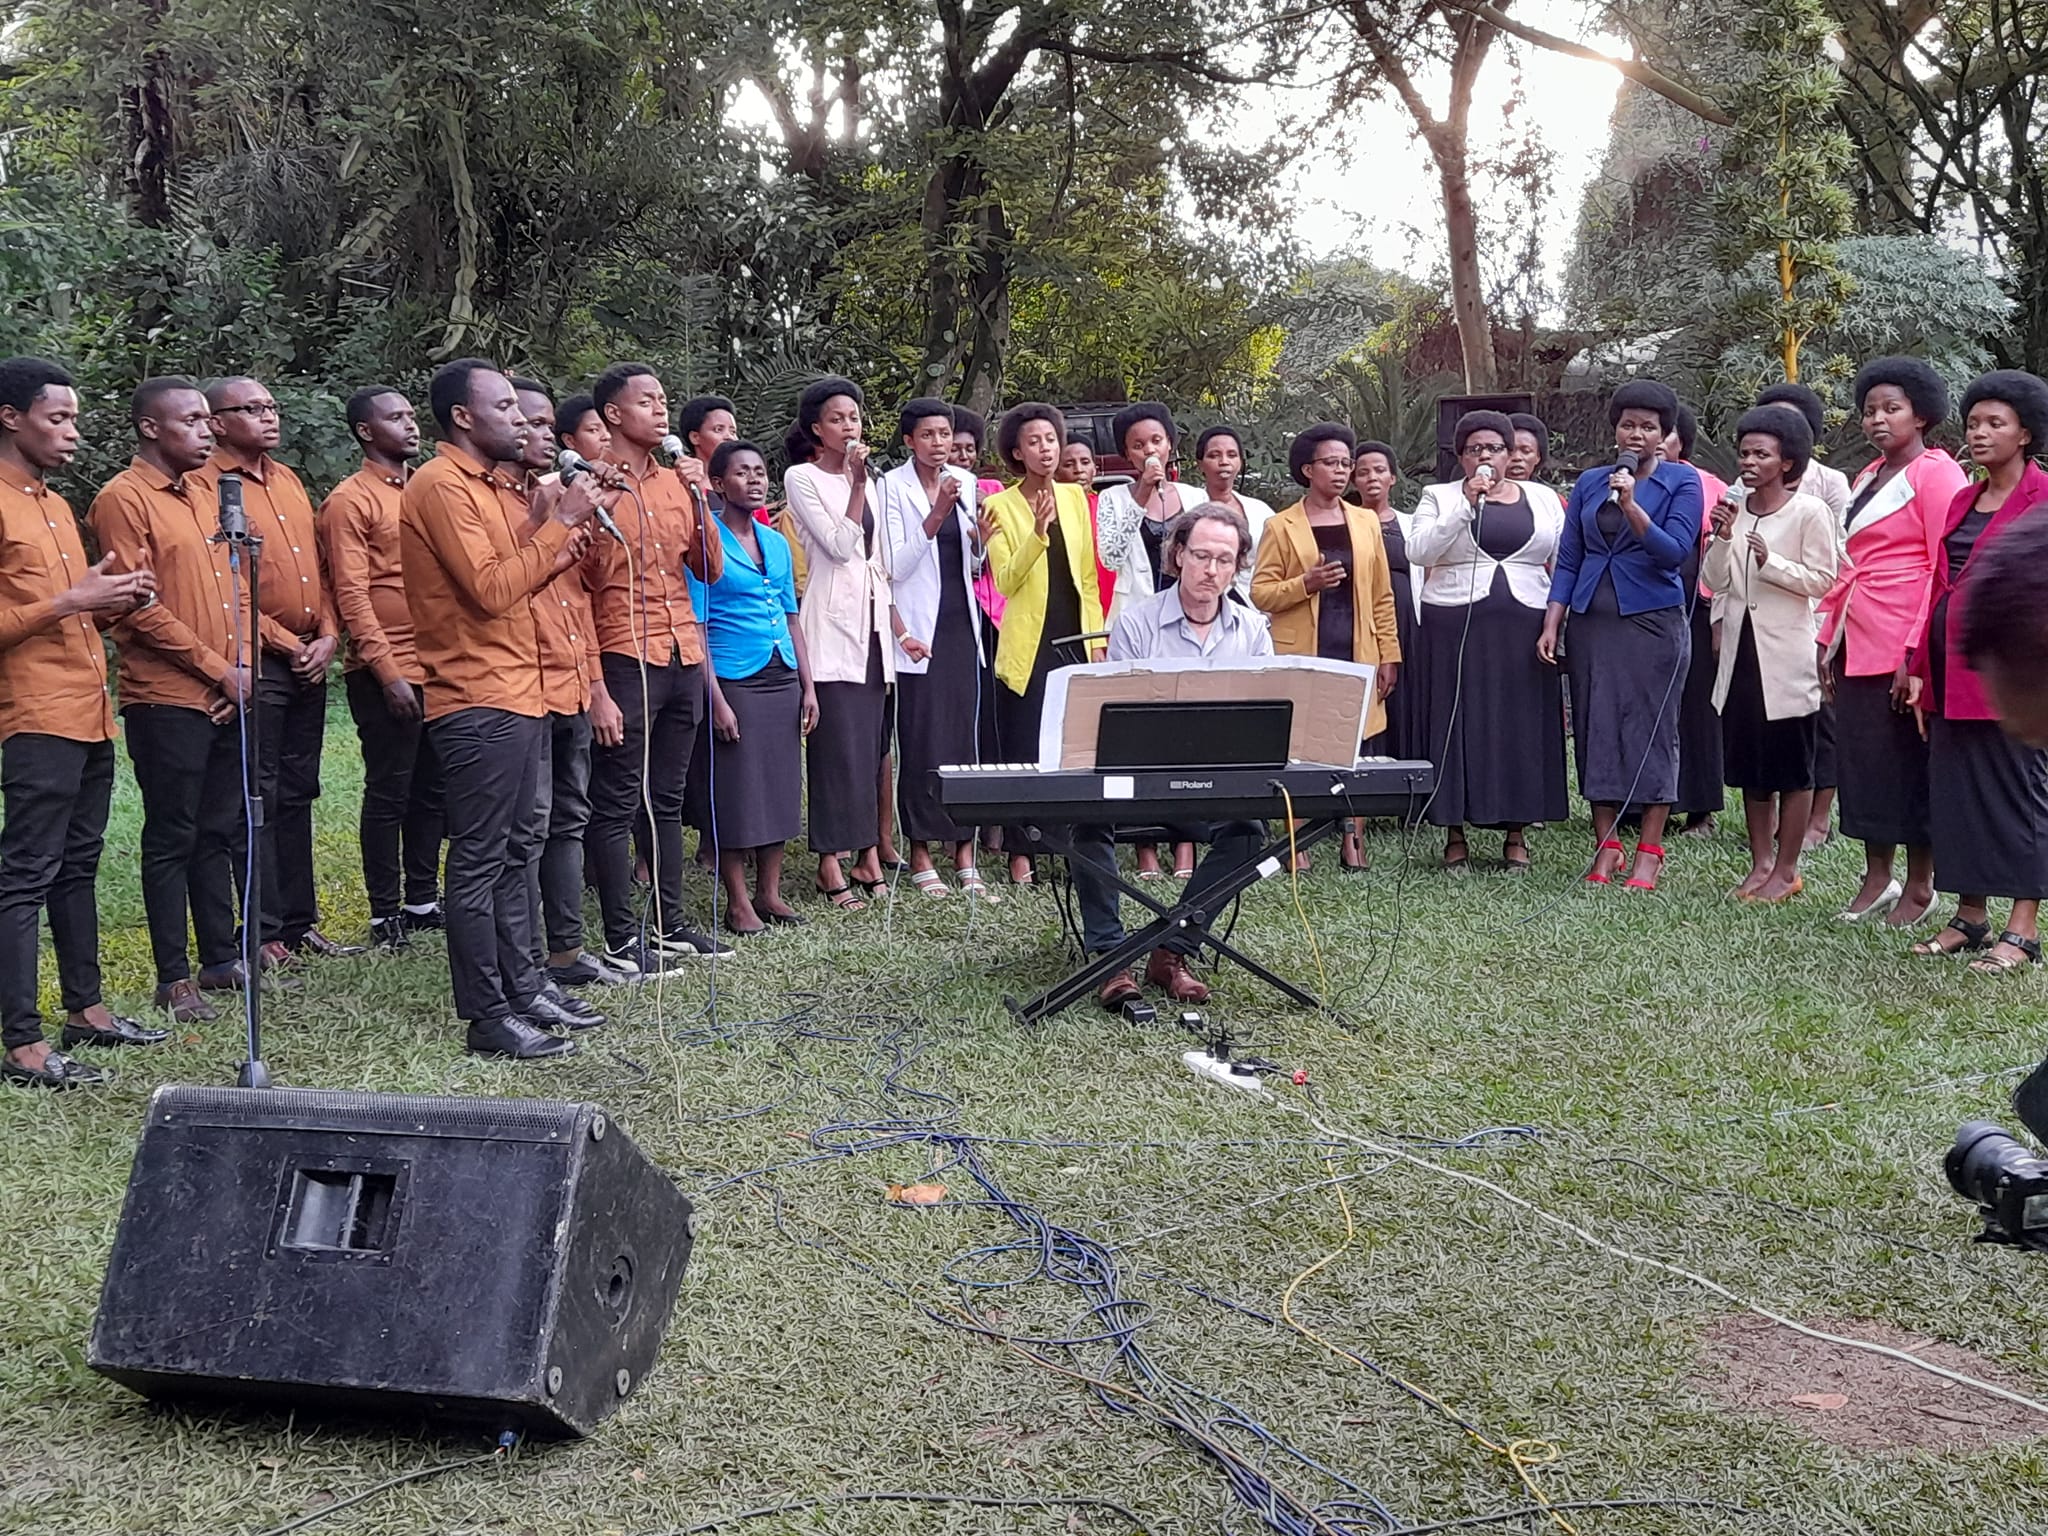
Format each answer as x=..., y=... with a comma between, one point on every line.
x=1169, y=972
x=317, y=943
x=275, y=956
x=1117, y=991
x=185, y=1005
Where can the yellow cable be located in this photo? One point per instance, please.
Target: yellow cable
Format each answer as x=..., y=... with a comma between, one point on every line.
x=1294, y=879
x=1520, y=1454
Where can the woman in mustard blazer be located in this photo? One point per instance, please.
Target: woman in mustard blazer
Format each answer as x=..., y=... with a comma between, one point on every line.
x=1323, y=580
x=1041, y=550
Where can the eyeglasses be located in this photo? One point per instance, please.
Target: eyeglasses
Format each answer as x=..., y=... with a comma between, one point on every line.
x=1332, y=463
x=1206, y=560
x=268, y=408
x=1486, y=447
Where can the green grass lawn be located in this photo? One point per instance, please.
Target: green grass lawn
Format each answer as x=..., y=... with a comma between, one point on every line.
x=1677, y=1030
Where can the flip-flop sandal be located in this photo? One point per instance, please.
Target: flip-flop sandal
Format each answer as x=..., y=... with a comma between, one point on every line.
x=1975, y=936
x=1996, y=964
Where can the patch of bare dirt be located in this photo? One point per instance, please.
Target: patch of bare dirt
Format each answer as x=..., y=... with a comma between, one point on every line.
x=1857, y=1400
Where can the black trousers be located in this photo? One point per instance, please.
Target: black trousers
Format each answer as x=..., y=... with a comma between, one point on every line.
x=292, y=718
x=1230, y=844
x=401, y=801
x=493, y=764
x=54, y=796
x=665, y=730
x=195, y=843
x=557, y=875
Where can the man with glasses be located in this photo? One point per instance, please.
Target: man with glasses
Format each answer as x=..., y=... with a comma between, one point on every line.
x=296, y=627
x=1204, y=550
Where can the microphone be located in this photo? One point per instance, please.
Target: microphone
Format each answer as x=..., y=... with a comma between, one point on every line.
x=673, y=447
x=571, y=464
x=234, y=519
x=1483, y=472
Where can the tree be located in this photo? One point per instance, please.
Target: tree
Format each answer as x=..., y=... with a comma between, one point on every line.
x=1782, y=167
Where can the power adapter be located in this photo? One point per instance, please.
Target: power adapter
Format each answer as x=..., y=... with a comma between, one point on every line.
x=1229, y=1074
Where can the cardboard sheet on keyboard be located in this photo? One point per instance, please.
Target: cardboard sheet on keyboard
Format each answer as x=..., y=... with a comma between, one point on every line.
x=1329, y=698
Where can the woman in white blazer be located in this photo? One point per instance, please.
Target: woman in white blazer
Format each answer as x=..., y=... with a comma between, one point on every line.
x=1219, y=455
x=1496, y=727
x=933, y=555
x=1773, y=556
x=844, y=616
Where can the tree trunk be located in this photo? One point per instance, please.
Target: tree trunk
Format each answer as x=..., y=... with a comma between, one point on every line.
x=148, y=117
x=1468, y=295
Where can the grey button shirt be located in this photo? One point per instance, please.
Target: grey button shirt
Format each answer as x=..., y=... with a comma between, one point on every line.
x=1158, y=629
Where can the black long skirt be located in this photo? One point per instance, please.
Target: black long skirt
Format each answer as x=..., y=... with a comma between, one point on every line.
x=935, y=719
x=1699, y=723
x=1494, y=729
x=1881, y=763
x=844, y=760
x=754, y=787
x=1825, y=775
x=1407, y=732
x=1763, y=756
x=1017, y=718
x=1627, y=678
x=1989, y=807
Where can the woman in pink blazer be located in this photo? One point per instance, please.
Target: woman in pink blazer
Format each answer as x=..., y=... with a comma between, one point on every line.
x=1989, y=790
x=1876, y=610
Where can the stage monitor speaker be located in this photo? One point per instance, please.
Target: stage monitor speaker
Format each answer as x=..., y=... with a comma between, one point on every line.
x=511, y=1262
x=1451, y=407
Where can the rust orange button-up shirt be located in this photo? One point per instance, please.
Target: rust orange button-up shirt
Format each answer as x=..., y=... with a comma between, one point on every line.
x=467, y=581
x=561, y=615
x=53, y=668
x=174, y=651
x=358, y=529
x=653, y=610
x=293, y=595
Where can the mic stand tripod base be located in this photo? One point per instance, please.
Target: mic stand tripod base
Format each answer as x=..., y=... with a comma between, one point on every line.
x=253, y=1074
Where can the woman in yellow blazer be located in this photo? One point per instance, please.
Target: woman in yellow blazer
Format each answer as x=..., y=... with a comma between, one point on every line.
x=1041, y=549
x=1323, y=579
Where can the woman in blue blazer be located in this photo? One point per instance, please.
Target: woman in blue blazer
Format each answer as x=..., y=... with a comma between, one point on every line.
x=1628, y=530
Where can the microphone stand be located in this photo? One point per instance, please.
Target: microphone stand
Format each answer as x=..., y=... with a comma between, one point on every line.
x=246, y=546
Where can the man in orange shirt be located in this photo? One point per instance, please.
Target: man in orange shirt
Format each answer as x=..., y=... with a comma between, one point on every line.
x=56, y=733
x=469, y=578
x=185, y=669
x=569, y=664
x=646, y=627
x=299, y=636
x=358, y=531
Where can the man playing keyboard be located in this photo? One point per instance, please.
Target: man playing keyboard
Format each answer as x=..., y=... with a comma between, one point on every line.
x=1207, y=546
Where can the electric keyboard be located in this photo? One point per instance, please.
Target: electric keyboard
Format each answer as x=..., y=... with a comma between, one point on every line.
x=989, y=793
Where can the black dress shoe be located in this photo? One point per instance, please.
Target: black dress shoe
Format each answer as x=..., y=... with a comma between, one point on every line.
x=57, y=1071
x=122, y=1031
x=314, y=942
x=389, y=934
x=554, y=1009
x=433, y=920
x=516, y=1040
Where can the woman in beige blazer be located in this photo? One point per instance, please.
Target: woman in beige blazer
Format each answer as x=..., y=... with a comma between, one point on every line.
x=1322, y=579
x=1772, y=557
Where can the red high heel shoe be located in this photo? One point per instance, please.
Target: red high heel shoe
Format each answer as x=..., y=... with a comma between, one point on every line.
x=1650, y=884
x=1593, y=875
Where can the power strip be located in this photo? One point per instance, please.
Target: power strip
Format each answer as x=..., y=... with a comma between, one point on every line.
x=1228, y=1074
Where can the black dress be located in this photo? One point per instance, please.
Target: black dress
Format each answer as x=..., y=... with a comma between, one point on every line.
x=1495, y=731
x=1407, y=732
x=1017, y=714
x=843, y=758
x=1699, y=723
x=1334, y=604
x=1880, y=758
x=1626, y=673
x=935, y=708
x=1763, y=756
x=1989, y=792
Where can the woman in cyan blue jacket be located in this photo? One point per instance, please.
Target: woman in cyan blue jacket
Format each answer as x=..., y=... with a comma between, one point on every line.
x=1628, y=530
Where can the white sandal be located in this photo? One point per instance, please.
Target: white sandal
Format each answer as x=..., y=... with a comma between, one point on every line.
x=971, y=883
x=930, y=881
